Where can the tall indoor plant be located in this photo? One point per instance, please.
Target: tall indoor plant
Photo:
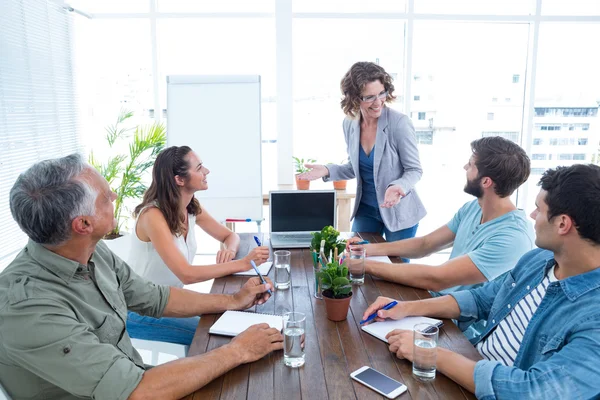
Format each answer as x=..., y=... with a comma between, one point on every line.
x=125, y=172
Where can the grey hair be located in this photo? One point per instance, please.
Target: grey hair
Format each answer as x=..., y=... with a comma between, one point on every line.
x=47, y=197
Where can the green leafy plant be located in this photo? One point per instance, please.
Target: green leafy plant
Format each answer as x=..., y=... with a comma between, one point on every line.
x=334, y=277
x=331, y=241
x=299, y=164
x=124, y=172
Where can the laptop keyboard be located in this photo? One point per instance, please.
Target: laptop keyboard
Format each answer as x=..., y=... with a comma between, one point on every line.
x=300, y=237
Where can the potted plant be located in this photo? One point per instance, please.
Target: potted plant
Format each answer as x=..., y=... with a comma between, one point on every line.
x=300, y=168
x=337, y=290
x=340, y=185
x=330, y=235
x=125, y=172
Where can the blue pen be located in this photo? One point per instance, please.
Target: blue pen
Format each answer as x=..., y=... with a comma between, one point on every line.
x=361, y=242
x=386, y=307
x=260, y=276
x=257, y=240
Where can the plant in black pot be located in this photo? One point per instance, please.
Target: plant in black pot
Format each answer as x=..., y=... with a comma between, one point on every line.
x=337, y=290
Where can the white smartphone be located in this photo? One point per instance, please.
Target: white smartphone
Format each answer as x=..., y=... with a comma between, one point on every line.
x=379, y=382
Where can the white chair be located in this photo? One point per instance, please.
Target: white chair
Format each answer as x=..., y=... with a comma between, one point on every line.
x=156, y=353
x=3, y=394
x=152, y=352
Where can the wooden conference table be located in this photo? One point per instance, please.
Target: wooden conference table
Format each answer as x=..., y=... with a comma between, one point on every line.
x=333, y=350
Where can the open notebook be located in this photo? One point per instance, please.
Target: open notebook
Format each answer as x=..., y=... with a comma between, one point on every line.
x=264, y=269
x=383, y=259
x=381, y=329
x=232, y=323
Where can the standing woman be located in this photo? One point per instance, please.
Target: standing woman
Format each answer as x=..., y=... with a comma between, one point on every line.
x=382, y=155
x=164, y=242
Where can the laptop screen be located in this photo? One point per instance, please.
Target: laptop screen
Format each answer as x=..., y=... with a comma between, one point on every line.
x=302, y=211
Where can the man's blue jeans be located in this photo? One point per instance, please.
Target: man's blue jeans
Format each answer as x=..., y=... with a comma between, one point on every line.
x=172, y=330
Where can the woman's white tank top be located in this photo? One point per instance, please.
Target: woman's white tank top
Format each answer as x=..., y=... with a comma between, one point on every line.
x=147, y=263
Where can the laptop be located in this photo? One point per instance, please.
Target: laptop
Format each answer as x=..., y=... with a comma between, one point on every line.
x=295, y=214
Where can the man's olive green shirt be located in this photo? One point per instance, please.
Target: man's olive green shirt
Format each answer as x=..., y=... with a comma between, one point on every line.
x=62, y=325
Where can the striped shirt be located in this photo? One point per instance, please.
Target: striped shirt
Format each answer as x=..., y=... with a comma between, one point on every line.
x=503, y=343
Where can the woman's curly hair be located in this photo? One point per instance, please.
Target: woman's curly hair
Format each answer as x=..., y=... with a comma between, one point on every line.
x=354, y=82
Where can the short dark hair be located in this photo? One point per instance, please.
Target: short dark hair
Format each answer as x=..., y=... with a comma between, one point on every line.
x=503, y=161
x=575, y=191
x=355, y=80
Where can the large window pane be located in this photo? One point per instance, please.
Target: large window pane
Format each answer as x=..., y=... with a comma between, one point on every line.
x=571, y=7
x=114, y=71
x=320, y=62
x=565, y=126
x=218, y=46
x=110, y=6
x=348, y=6
x=467, y=83
x=216, y=6
x=486, y=7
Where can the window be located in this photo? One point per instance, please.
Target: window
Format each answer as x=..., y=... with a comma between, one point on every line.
x=422, y=116
x=316, y=84
x=424, y=137
x=516, y=78
x=490, y=116
x=38, y=117
x=538, y=156
x=494, y=99
x=565, y=156
x=553, y=142
x=417, y=98
x=537, y=171
x=579, y=156
x=582, y=142
x=512, y=136
x=460, y=108
x=538, y=141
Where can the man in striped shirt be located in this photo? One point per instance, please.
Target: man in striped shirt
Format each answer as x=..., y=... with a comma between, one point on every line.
x=542, y=338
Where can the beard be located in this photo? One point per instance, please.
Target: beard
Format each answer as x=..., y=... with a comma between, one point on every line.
x=474, y=188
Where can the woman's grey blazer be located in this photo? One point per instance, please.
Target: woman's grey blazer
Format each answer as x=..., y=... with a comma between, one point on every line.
x=396, y=162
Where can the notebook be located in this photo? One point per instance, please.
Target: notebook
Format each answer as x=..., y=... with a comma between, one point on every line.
x=383, y=259
x=381, y=329
x=232, y=323
x=264, y=269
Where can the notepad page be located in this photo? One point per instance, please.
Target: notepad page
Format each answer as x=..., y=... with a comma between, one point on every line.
x=264, y=269
x=383, y=259
x=232, y=323
x=381, y=329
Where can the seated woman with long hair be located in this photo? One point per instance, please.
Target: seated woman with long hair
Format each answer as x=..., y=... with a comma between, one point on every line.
x=164, y=241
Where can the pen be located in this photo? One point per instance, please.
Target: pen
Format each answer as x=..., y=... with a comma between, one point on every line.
x=238, y=220
x=361, y=242
x=257, y=240
x=386, y=307
x=260, y=276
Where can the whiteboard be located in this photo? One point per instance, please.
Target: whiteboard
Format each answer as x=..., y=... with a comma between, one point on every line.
x=218, y=116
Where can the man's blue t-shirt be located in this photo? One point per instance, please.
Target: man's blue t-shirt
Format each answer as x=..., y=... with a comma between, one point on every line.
x=495, y=246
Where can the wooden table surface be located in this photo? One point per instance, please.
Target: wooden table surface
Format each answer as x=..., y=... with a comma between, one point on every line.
x=333, y=350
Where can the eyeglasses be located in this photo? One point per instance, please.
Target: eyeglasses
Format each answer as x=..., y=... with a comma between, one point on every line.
x=370, y=99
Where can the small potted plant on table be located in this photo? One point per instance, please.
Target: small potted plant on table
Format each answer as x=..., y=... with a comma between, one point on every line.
x=300, y=168
x=337, y=290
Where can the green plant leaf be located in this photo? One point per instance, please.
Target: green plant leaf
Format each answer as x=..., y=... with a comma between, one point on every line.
x=340, y=281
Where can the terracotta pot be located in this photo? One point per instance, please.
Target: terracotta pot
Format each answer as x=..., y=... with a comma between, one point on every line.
x=337, y=309
x=339, y=185
x=302, y=184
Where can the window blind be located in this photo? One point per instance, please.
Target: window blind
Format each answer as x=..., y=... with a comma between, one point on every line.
x=37, y=99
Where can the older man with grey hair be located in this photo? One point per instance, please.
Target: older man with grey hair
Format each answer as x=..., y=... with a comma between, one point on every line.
x=64, y=301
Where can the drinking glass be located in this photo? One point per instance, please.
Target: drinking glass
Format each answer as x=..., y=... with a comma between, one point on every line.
x=282, y=269
x=356, y=265
x=294, y=325
x=425, y=351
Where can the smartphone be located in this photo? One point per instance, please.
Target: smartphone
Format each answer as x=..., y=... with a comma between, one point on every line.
x=377, y=381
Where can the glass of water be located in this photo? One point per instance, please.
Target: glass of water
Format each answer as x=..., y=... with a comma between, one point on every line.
x=425, y=351
x=282, y=269
x=294, y=324
x=356, y=265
